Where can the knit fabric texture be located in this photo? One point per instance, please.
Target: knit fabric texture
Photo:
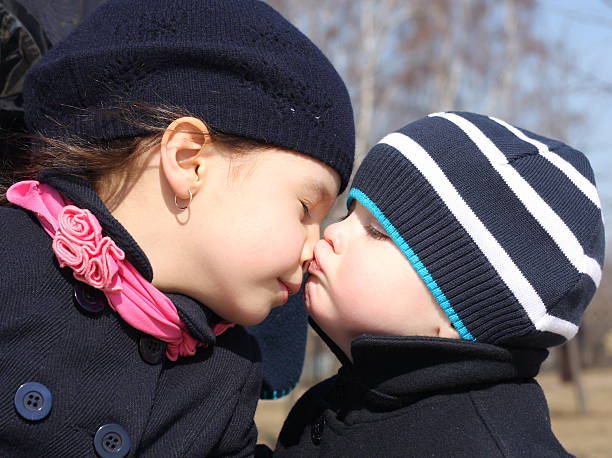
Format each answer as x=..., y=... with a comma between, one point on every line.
x=503, y=225
x=236, y=64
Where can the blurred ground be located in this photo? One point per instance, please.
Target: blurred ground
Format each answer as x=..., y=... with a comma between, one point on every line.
x=586, y=436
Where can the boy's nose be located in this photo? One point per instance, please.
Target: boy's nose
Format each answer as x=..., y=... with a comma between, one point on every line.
x=333, y=236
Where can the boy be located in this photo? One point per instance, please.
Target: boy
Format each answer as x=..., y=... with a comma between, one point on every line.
x=504, y=236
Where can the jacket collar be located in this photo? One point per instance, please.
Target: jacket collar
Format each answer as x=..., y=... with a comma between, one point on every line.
x=199, y=320
x=388, y=372
x=83, y=195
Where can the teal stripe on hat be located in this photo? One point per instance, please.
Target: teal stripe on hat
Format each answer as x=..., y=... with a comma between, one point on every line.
x=363, y=199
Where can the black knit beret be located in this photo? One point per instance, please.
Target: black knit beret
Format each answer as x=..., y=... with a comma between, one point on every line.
x=503, y=225
x=236, y=64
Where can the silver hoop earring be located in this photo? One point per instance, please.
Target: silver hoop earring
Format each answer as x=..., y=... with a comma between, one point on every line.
x=190, y=199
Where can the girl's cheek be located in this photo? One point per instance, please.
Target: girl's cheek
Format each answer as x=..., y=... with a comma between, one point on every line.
x=288, y=241
x=273, y=234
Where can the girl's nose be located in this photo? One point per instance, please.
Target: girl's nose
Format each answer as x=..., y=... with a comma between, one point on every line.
x=314, y=233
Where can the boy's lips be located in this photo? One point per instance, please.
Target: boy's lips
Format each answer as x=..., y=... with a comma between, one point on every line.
x=318, y=252
x=314, y=266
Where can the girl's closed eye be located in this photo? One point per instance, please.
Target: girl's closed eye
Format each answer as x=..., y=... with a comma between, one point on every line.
x=306, y=208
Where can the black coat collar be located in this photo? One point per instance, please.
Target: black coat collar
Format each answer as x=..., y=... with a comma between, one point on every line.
x=199, y=319
x=83, y=195
x=388, y=372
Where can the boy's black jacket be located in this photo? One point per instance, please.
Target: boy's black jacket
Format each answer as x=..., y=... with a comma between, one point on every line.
x=197, y=406
x=421, y=397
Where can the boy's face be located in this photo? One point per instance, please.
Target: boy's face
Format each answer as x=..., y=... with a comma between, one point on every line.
x=361, y=283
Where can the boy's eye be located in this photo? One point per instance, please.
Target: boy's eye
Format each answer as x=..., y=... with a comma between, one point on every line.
x=375, y=233
x=342, y=218
x=348, y=213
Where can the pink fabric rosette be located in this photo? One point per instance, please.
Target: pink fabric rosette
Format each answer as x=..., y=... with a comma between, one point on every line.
x=78, y=244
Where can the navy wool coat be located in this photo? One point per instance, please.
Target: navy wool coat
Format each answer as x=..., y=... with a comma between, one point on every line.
x=424, y=397
x=77, y=381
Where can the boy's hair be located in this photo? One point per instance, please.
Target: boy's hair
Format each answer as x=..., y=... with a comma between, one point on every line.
x=503, y=225
x=237, y=65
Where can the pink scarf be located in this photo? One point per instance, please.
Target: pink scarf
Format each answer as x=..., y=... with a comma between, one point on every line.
x=99, y=262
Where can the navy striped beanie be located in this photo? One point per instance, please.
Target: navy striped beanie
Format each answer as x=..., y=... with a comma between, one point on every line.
x=237, y=64
x=503, y=225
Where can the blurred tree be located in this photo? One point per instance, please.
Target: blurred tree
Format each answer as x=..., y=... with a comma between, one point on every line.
x=596, y=329
x=402, y=60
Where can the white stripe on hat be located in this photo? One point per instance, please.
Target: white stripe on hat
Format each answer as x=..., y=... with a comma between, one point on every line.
x=510, y=274
x=582, y=183
x=533, y=202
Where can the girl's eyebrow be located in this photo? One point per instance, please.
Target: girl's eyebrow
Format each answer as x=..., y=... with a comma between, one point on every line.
x=321, y=193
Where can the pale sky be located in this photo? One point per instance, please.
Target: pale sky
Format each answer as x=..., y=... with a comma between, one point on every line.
x=586, y=28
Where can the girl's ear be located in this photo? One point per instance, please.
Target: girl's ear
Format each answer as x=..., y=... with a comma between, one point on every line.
x=182, y=158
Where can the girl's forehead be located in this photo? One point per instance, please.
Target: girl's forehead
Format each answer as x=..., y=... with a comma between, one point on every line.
x=318, y=190
x=312, y=175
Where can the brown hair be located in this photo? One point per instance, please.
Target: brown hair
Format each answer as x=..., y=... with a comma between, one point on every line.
x=94, y=160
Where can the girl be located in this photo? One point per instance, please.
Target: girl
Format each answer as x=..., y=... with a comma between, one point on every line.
x=183, y=156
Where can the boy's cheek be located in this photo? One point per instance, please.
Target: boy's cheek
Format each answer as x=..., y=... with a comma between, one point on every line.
x=355, y=280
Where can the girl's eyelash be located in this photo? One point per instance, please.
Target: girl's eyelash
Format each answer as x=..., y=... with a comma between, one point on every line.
x=375, y=233
x=306, y=209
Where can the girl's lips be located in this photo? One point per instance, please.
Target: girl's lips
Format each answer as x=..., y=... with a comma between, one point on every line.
x=288, y=289
x=291, y=288
x=284, y=292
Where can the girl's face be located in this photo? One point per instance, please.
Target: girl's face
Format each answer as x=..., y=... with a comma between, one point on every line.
x=361, y=282
x=258, y=218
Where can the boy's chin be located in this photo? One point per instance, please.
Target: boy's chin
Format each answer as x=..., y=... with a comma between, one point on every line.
x=316, y=299
x=306, y=294
x=309, y=295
